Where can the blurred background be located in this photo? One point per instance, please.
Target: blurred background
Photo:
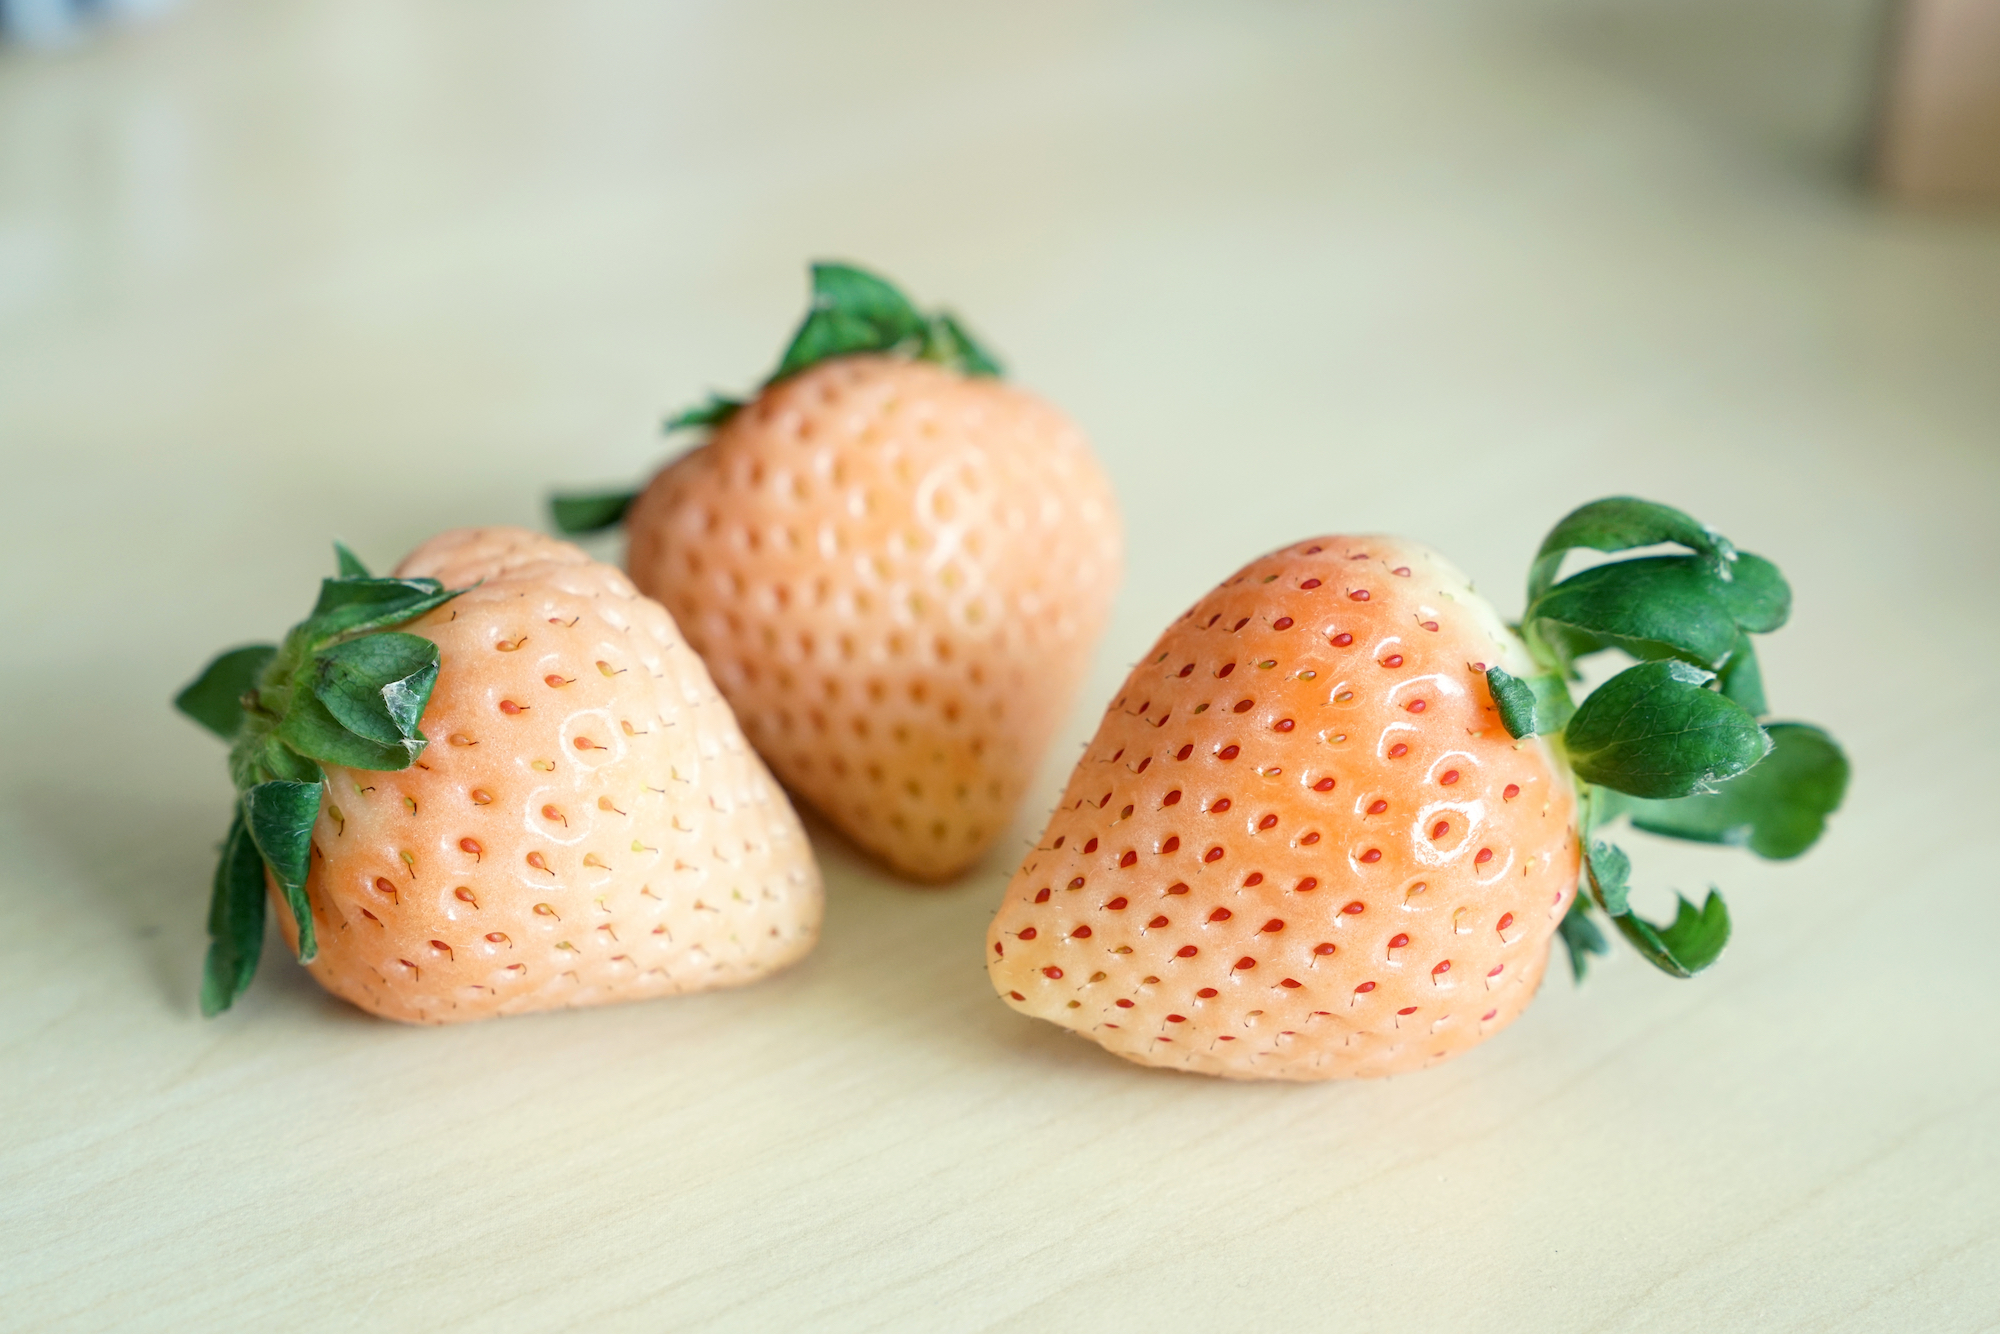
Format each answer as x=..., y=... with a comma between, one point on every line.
x=275, y=271
x=422, y=260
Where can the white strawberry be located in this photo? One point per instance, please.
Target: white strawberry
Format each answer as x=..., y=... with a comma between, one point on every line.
x=578, y=820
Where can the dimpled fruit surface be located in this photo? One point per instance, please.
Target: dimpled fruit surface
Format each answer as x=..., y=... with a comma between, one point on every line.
x=1301, y=845
x=586, y=825
x=897, y=574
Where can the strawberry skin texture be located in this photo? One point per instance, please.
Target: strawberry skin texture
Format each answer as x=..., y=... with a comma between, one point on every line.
x=897, y=574
x=587, y=823
x=1301, y=845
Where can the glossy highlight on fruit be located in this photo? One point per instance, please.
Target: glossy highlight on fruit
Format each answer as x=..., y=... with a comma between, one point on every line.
x=1301, y=845
x=1334, y=821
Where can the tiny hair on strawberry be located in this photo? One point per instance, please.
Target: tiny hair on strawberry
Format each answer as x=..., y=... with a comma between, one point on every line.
x=1333, y=823
x=895, y=563
x=496, y=781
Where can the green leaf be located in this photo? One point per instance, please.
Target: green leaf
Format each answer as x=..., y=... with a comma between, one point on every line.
x=349, y=564
x=1561, y=647
x=827, y=334
x=280, y=818
x=1677, y=602
x=376, y=686
x=235, y=920
x=1692, y=942
x=1580, y=936
x=1654, y=731
x=715, y=411
x=1620, y=523
x=857, y=311
x=314, y=732
x=1743, y=680
x=270, y=759
x=215, y=698
x=852, y=311
x=1529, y=706
x=590, y=511
x=1515, y=701
x=342, y=689
x=1757, y=595
x=947, y=342
x=1610, y=872
x=355, y=606
x=1776, y=810
x=366, y=593
x=846, y=287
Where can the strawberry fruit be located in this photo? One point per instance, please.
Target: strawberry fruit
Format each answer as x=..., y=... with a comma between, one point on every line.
x=528, y=796
x=1333, y=822
x=895, y=564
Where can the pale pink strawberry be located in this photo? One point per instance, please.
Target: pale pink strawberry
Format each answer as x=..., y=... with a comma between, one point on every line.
x=586, y=825
x=896, y=573
x=1301, y=845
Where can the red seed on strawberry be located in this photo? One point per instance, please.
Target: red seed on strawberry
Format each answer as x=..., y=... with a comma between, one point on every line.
x=494, y=877
x=1279, y=1041
x=1671, y=731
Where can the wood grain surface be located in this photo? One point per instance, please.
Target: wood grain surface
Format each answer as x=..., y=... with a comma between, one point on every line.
x=275, y=271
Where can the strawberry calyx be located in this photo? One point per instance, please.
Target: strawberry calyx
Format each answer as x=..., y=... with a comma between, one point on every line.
x=1675, y=743
x=343, y=687
x=851, y=311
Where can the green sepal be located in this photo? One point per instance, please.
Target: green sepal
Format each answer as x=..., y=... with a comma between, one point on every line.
x=311, y=729
x=1610, y=874
x=235, y=920
x=279, y=816
x=1654, y=730
x=1678, y=603
x=1687, y=945
x=1692, y=942
x=948, y=343
x=1777, y=810
x=342, y=689
x=348, y=564
x=356, y=606
x=706, y=415
x=215, y=698
x=1620, y=523
x=1742, y=679
x=590, y=511
x=1514, y=700
x=855, y=311
x=376, y=686
x=852, y=311
x=1673, y=743
x=1529, y=706
x=1580, y=936
x=269, y=759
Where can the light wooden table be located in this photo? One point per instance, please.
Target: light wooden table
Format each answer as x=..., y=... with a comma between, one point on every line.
x=271, y=272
